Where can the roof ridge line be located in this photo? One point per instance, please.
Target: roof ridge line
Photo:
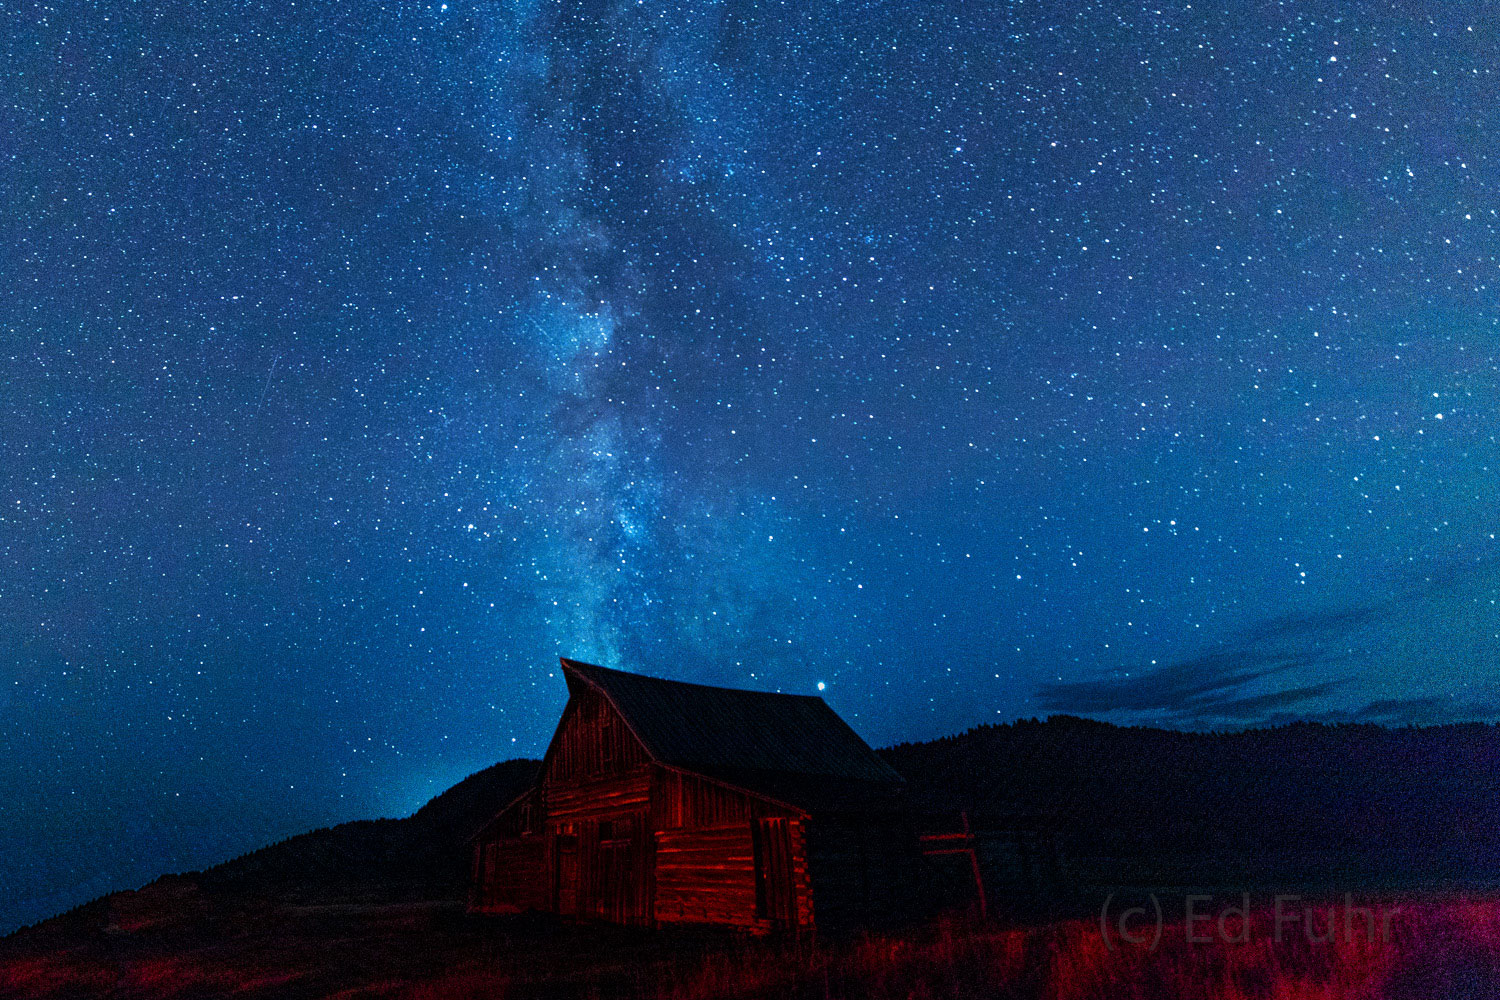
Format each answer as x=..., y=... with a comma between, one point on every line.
x=572, y=665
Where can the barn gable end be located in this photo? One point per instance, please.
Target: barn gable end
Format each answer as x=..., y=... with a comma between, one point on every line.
x=593, y=741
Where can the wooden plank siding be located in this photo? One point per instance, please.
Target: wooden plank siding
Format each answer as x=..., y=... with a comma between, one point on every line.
x=596, y=796
x=604, y=798
x=522, y=816
x=706, y=875
x=643, y=845
x=742, y=873
x=615, y=861
x=591, y=741
x=801, y=875
x=716, y=869
x=687, y=801
x=783, y=890
x=513, y=876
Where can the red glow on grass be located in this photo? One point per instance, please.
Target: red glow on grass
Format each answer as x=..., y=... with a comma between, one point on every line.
x=1433, y=950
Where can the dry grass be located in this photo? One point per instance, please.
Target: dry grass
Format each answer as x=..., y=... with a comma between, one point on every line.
x=1436, y=949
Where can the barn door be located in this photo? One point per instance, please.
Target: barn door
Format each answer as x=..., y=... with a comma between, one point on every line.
x=775, y=890
x=620, y=870
x=612, y=876
x=565, y=873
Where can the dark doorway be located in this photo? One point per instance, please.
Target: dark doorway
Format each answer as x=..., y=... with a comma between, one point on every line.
x=565, y=873
x=775, y=888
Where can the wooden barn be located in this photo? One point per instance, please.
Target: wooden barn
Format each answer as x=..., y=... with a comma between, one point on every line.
x=663, y=802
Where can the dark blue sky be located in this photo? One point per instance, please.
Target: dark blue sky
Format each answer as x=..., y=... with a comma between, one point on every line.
x=972, y=361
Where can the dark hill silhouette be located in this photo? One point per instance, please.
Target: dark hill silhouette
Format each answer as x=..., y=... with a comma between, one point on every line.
x=1300, y=801
x=1359, y=805
x=423, y=856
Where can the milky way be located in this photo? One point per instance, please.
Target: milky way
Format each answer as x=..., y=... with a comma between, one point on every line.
x=962, y=361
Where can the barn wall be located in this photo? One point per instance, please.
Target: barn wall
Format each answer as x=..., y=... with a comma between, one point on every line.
x=784, y=897
x=512, y=876
x=706, y=875
x=725, y=856
x=801, y=876
x=686, y=801
x=596, y=797
x=508, y=868
x=591, y=742
x=520, y=817
x=602, y=850
x=615, y=862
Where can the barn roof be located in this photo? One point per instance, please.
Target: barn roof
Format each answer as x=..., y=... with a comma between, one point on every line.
x=782, y=745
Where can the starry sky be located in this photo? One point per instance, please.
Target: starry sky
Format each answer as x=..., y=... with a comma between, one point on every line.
x=961, y=361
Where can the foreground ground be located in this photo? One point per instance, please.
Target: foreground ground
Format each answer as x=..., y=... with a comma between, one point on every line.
x=170, y=941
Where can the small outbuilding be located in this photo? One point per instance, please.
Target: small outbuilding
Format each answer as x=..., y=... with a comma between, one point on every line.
x=664, y=802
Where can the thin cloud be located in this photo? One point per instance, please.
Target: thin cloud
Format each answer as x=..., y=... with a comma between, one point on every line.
x=1239, y=684
x=1178, y=688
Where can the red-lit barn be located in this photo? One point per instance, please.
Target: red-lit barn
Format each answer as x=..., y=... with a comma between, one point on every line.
x=664, y=802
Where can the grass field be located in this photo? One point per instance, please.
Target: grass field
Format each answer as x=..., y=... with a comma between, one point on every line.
x=171, y=942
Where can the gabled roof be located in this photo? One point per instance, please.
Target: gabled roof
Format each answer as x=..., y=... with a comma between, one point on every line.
x=793, y=748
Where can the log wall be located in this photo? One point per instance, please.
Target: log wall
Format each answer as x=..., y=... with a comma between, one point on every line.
x=599, y=799
x=513, y=876
x=706, y=875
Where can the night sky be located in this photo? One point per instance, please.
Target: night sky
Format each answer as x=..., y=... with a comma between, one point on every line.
x=963, y=362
